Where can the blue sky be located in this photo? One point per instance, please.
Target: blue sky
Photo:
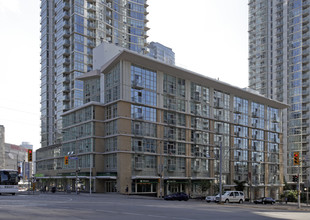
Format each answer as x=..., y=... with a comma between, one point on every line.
x=208, y=37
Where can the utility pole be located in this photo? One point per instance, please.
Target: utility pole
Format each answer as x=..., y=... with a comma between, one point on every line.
x=161, y=170
x=299, y=185
x=220, y=172
x=90, y=170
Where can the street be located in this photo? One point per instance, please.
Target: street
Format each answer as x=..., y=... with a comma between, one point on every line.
x=115, y=206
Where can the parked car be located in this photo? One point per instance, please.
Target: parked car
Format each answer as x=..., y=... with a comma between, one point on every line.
x=177, y=196
x=211, y=198
x=231, y=196
x=265, y=200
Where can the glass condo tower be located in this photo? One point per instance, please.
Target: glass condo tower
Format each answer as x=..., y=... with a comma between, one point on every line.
x=70, y=29
x=279, y=69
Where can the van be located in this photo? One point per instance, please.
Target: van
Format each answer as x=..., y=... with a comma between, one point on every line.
x=231, y=196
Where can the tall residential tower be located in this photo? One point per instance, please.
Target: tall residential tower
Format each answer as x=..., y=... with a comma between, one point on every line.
x=279, y=68
x=70, y=29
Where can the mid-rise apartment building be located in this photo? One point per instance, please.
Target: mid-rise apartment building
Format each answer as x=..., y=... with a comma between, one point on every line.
x=159, y=129
x=279, y=69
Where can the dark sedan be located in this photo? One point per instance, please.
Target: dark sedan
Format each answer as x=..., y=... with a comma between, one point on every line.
x=265, y=200
x=177, y=196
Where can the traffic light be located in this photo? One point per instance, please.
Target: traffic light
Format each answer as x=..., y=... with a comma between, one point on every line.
x=296, y=158
x=66, y=160
x=295, y=178
x=29, y=155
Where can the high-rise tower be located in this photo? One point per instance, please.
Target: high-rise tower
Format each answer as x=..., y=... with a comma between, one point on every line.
x=279, y=68
x=70, y=29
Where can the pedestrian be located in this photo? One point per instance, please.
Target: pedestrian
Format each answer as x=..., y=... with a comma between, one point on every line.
x=127, y=189
x=285, y=200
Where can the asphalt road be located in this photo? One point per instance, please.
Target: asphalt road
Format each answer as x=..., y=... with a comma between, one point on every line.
x=116, y=207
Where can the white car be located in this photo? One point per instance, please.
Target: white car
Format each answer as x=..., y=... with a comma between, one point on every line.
x=231, y=196
x=211, y=198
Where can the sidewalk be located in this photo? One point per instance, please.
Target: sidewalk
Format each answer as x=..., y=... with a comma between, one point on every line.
x=278, y=206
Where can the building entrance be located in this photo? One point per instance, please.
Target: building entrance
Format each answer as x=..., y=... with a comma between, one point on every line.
x=110, y=186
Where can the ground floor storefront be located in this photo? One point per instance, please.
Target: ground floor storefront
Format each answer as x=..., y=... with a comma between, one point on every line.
x=153, y=186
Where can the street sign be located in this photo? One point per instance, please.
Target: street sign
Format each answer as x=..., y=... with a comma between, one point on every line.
x=73, y=158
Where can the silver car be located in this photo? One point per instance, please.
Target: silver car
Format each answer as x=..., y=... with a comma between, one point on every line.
x=211, y=198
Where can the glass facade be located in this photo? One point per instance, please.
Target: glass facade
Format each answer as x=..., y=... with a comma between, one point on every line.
x=143, y=127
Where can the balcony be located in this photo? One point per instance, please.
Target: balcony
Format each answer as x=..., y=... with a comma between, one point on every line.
x=238, y=109
x=137, y=99
x=218, y=105
x=305, y=124
x=138, y=115
x=254, y=115
x=91, y=16
x=305, y=84
x=66, y=24
x=64, y=70
x=196, y=169
x=66, y=5
x=91, y=25
x=66, y=98
x=305, y=60
x=66, y=33
x=66, y=15
x=137, y=84
x=305, y=20
x=65, y=61
x=305, y=117
x=305, y=36
x=137, y=132
x=66, y=52
x=305, y=4
x=305, y=92
x=91, y=44
x=305, y=13
x=67, y=79
x=66, y=89
x=66, y=107
x=171, y=121
x=171, y=167
x=92, y=34
x=138, y=166
x=305, y=68
x=91, y=7
x=66, y=43
x=218, y=117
